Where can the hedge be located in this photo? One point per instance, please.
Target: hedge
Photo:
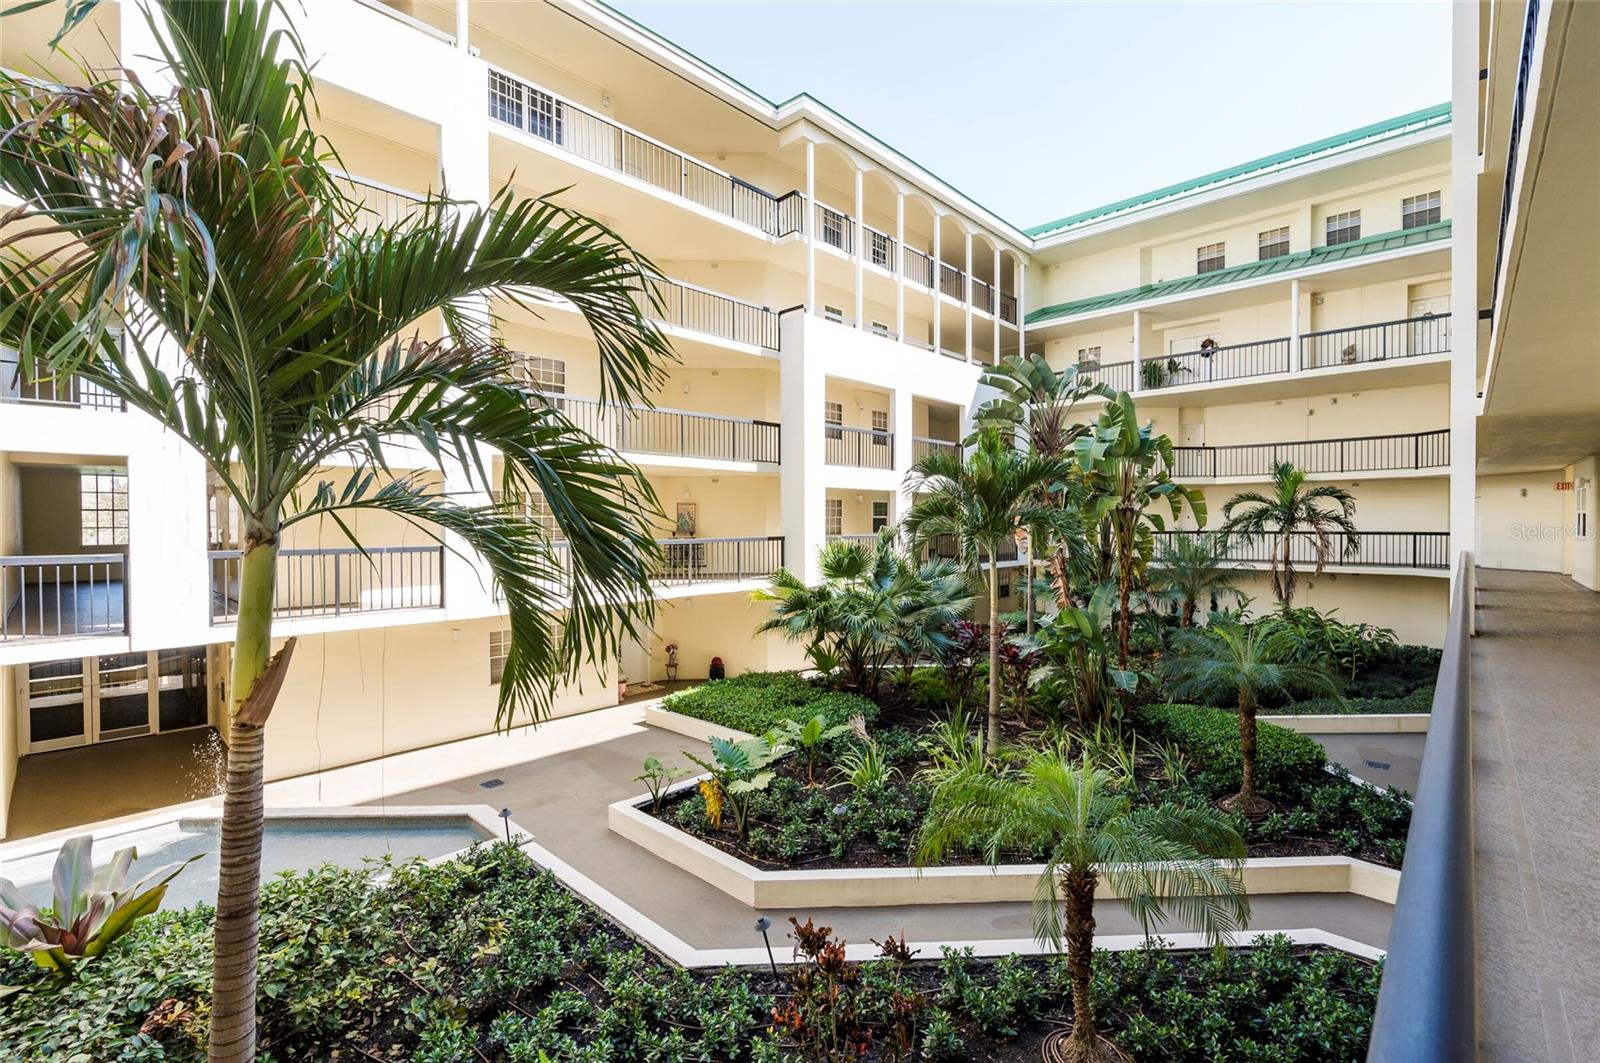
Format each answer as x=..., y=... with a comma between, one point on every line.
x=756, y=702
x=1414, y=702
x=1287, y=763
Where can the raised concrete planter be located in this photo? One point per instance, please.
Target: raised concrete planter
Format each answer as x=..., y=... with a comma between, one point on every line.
x=689, y=726
x=1353, y=723
x=890, y=886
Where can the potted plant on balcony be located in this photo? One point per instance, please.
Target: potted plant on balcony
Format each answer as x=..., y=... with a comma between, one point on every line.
x=1348, y=355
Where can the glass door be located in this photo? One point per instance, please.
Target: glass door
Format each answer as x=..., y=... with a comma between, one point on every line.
x=181, y=688
x=57, y=709
x=122, y=709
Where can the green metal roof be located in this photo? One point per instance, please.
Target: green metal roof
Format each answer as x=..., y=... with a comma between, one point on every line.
x=1428, y=117
x=1316, y=256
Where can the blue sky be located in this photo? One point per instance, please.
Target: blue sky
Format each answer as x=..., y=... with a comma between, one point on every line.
x=1038, y=110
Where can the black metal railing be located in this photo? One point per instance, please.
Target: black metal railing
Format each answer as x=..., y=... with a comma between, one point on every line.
x=949, y=548
x=879, y=249
x=1008, y=308
x=715, y=314
x=982, y=296
x=1375, y=549
x=1416, y=450
x=1260, y=358
x=1406, y=338
x=53, y=596
x=836, y=229
x=49, y=390
x=789, y=214
x=1519, y=111
x=867, y=539
x=711, y=560
x=336, y=581
x=1117, y=375
x=680, y=433
x=952, y=281
x=917, y=266
x=1427, y=1003
x=922, y=446
x=861, y=448
x=603, y=142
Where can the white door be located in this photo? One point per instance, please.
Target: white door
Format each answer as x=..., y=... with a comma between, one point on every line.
x=1430, y=336
x=1192, y=435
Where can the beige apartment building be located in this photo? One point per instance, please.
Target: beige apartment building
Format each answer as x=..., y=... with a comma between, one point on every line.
x=833, y=305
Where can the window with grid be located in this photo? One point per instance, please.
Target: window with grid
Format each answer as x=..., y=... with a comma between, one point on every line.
x=833, y=229
x=103, y=510
x=1274, y=243
x=499, y=647
x=1210, y=258
x=545, y=117
x=1344, y=227
x=1088, y=357
x=880, y=427
x=834, y=517
x=1417, y=211
x=505, y=99
x=878, y=248
x=548, y=375
x=880, y=516
x=833, y=414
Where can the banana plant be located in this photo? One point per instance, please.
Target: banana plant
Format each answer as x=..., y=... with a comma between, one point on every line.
x=1077, y=651
x=739, y=769
x=807, y=738
x=90, y=909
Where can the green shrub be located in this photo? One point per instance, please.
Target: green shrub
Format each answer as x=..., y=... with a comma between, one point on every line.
x=1420, y=700
x=1287, y=763
x=755, y=701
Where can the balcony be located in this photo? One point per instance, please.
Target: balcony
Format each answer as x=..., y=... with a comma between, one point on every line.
x=1391, y=453
x=598, y=140
x=858, y=448
x=336, y=581
x=942, y=546
x=57, y=596
x=691, y=562
x=703, y=310
x=921, y=447
x=1377, y=549
x=51, y=391
x=675, y=433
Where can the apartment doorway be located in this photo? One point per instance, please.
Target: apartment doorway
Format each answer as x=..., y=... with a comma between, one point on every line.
x=1431, y=335
x=84, y=700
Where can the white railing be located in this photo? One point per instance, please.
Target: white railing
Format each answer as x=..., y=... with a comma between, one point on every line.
x=53, y=596
x=379, y=203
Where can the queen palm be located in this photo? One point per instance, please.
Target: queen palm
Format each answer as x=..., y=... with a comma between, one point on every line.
x=1290, y=509
x=1242, y=663
x=1080, y=820
x=1194, y=568
x=978, y=502
x=204, y=267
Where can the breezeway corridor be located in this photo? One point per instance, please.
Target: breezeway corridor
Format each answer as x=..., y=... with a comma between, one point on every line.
x=1536, y=777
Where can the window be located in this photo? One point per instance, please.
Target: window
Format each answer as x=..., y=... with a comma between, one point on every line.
x=1210, y=258
x=103, y=510
x=881, y=328
x=1274, y=243
x=1343, y=228
x=833, y=416
x=834, y=517
x=505, y=99
x=880, y=427
x=833, y=229
x=880, y=250
x=1004, y=589
x=832, y=313
x=499, y=647
x=1417, y=211
x=1088, y=357
x=880, y=516
x=544, y=116
x=527, y=108
x=544, y=374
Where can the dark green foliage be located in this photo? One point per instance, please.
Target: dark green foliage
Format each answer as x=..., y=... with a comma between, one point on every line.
x=1419, y=700
x=1287, y=764
x=756, y=701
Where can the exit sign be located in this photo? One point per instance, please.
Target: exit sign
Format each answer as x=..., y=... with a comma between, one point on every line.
x=1563, y=485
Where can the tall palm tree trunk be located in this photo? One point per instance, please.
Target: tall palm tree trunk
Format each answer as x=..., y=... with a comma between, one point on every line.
x=994, y=648
x=1287, y=594
x=1027, y=587
x=233, y=970
x=1077, y=890
x=1246, y=801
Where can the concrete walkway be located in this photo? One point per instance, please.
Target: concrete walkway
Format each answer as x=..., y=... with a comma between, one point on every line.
x=562, y=800
x=1384, y=759
x=1536, y=765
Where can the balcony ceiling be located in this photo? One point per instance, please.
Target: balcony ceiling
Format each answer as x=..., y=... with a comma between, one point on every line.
x=1542, y=398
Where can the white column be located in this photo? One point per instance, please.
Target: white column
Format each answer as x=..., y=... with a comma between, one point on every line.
x=966, y=297
x=938, y=267
x=860, y=238
x=994, y=306
x=1295, y=350
x=1022, y=307
x=1138, y=352
x=901, y=421
x=899, y=265
x=810, y=226
x=461, y=25
x=1464, y=403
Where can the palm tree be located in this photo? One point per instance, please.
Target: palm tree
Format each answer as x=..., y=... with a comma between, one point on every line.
x=874, y=604
x=978, y=503
x=1194, y=568
x=1228, y=660
x=207, y=270
x=1034, y=404
x=1124, y=467
x=1080, y=819
x=1291, y=508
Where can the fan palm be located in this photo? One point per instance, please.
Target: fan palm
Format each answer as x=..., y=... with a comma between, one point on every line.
x=1162, y=859
x=978, y=502
x=1290, y=509
x=1243, y=663
x=1193, y=569
x=205, y=268
x=874, y=604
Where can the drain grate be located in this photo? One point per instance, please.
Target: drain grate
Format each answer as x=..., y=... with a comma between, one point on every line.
x=490, y=784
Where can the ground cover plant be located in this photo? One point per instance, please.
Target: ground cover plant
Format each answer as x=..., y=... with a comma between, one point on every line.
x=488, y=958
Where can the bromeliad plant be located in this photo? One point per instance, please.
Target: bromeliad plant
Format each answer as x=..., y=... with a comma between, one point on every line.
x=90, y=909
x=807, y=738
x=739, y=769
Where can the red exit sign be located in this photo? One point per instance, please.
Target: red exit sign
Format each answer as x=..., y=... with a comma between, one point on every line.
x=1563, y=485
